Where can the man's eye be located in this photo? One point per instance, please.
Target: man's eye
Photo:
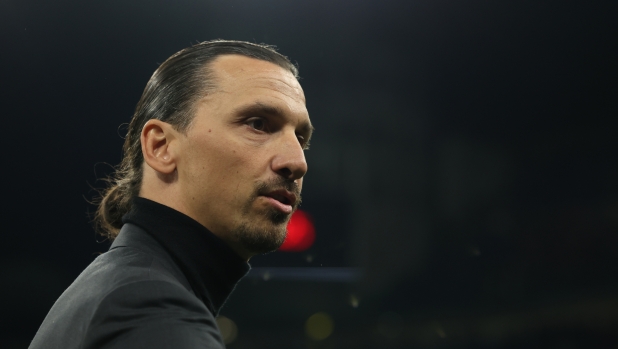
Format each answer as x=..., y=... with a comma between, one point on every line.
x=257, y=124
x=302, y=142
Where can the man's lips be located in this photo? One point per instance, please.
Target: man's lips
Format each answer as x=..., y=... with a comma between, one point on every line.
x=279, y=205
x=281, y=199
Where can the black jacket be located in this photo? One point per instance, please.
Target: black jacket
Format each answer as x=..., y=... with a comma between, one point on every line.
x=160, y=285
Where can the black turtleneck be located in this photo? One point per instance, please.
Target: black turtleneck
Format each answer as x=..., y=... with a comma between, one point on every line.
x=210, y=265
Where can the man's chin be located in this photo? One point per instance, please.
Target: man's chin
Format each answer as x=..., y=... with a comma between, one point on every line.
x=258, y=240
x=264, y=233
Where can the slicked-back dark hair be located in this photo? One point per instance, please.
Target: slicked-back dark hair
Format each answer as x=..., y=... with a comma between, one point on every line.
x=169, y=96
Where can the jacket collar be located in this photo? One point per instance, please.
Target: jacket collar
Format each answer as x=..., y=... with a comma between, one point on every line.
x=211, y=266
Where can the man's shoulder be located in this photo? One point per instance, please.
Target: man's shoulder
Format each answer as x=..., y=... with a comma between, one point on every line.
x=120, y=268
x=124, y=277
x=134, y=256
x=147, y=307
x=126, y=264
x=152, y=314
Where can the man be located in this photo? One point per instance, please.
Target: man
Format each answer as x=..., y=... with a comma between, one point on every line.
x=212, y=171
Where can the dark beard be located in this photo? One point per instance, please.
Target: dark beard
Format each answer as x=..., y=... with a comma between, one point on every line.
x=256, y=238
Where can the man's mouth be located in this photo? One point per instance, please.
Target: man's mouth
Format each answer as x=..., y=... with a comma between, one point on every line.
x=283, y=196
x=282, y=199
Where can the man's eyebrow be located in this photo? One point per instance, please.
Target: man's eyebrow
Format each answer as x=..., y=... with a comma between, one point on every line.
x=260, y=108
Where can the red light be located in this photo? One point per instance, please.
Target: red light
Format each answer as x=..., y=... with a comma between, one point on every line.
x=301, y=233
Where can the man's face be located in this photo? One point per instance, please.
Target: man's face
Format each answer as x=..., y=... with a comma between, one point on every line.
x=242, y=162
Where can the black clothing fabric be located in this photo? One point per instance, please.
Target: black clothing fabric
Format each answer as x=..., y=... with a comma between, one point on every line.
x=160, y=285
x=210, y=265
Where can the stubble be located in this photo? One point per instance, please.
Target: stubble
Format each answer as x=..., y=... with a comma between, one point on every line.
x=265, y=232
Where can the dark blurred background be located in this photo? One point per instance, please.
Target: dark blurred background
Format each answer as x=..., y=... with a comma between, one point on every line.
x=464, y=164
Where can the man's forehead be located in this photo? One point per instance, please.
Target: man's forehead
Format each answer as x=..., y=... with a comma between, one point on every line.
x=236, y=72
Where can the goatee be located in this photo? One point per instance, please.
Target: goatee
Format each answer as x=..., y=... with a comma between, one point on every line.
x=258, y=236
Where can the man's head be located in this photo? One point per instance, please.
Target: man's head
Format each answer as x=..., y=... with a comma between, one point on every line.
x=218, y=135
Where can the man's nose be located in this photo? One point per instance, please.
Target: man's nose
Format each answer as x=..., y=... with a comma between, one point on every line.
x=289, y=161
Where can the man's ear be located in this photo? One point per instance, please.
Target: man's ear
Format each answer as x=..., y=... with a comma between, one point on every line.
x=158, y=146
